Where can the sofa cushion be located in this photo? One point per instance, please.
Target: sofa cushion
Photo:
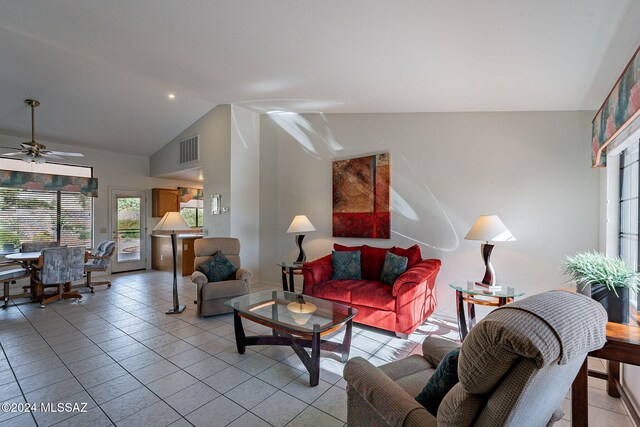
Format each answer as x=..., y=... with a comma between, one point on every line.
x=218, y=268
x=442, y=380
x=341, y=248
x=394, y=266
x=346, y=265
x=371, y=261
x=373, y=294
x=412, y=253
x=336, y=290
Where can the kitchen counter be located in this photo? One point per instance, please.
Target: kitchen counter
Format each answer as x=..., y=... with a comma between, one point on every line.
x=162, y=256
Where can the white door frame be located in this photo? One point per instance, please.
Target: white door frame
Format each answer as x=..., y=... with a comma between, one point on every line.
x=117, y=267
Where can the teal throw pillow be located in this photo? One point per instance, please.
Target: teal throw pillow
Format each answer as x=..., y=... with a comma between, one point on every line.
x=346, y=265
x=393, y=267
x=218, y=268
x=442, y=380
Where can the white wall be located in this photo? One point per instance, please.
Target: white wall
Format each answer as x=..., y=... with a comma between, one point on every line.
x=112, y=170
x=229, y=157
x=530, y=168
x=215, y=158
x=245, y=178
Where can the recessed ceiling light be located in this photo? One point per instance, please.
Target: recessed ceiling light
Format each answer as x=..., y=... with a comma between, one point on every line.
x=172, y=96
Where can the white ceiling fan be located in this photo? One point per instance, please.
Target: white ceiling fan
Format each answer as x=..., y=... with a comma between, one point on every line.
x=34, y=152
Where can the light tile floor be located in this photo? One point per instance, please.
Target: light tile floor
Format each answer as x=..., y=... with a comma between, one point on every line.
x=133, y=365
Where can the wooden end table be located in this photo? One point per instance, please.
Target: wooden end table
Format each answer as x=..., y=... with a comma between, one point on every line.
x=289, y=269
x=622, y=346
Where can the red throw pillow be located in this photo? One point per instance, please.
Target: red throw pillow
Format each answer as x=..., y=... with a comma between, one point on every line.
x=372, y=262
x=340, y=248
x=412, y=253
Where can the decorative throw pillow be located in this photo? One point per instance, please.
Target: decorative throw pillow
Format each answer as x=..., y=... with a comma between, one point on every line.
x=218, y=268
x=394, y=266
x=371, y=259
x=346, y=265
x=413, y=253
x=442, y=380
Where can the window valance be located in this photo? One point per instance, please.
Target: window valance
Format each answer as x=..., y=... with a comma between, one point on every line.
x=38, y=181
x=620, y=108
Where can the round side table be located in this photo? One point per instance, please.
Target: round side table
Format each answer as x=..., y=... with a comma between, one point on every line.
x=291, y=269
x=474, y=295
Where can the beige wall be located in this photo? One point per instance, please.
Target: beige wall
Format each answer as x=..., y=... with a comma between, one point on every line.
x=530, y=168
x=229, y=153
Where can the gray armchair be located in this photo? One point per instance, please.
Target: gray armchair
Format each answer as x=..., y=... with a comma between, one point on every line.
x=98, y=261
x=58, y=267
x=37, y=246
x=515, y=368
x=212, y=295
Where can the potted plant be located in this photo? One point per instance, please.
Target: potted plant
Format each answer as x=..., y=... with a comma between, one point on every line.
x=605, y=279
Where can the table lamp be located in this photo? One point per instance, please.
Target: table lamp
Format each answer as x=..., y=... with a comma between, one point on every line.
x=300, y=224
x=489, y=228
x=172, y=221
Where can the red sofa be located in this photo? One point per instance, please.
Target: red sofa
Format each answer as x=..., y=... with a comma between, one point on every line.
x=400, y=308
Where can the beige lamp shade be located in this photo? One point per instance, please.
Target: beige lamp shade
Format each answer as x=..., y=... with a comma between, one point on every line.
x=489, y=228
x=172, y=221
x=300, y=224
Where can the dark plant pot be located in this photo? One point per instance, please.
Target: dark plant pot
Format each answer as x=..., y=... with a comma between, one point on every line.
x=617, y=307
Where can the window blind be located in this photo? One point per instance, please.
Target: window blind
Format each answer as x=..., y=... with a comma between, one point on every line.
x=27, y=215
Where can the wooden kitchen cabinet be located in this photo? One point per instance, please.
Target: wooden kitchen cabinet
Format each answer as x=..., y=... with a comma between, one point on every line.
x=164, y=200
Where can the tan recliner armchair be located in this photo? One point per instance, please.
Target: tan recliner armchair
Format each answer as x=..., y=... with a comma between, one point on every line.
x=212, y=295
x=515, y=368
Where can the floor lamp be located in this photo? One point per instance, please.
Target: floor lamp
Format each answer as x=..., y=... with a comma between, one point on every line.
x=172, y=221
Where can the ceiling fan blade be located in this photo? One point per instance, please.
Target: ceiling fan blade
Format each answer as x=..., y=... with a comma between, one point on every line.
x=50, y=155
x=17, y=153
x=63, y=153
x=12, y=148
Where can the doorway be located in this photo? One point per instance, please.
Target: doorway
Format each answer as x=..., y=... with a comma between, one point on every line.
x=129, y=229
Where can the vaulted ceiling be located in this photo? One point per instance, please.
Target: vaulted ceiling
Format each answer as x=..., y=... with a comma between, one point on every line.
x=103, y=69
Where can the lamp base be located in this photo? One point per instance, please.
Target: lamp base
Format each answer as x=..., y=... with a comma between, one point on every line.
x=174, y=310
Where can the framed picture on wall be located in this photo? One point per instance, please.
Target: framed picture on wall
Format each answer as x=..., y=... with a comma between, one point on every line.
x=361, y=189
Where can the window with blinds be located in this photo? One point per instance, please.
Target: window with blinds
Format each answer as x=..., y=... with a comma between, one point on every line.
x=28, y=215
x=629, y=203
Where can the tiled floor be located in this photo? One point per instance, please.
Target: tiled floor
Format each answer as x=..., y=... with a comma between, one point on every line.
x=133, y=365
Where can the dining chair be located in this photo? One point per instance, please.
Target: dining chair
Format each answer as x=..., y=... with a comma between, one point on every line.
x=99, y=260
x=37, y=246
x=9, y=277
x=59, y=267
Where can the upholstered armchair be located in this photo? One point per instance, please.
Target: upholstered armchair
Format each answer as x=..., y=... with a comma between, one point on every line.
x=514, y=368
x=37, y=246
x=58, y=267
x=98, y=261
x=212, y=295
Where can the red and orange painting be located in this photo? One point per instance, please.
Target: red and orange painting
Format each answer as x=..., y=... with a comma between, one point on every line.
x=361, y=197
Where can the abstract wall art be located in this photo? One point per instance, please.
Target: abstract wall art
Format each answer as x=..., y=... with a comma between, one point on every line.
x=361, y=197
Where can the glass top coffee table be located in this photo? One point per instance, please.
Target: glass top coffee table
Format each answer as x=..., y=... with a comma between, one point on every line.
x=297, y=321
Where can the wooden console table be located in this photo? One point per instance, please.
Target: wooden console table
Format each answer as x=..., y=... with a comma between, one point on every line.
x=622, y=346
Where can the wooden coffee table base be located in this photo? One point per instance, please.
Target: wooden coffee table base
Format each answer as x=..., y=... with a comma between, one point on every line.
x=282, y=336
